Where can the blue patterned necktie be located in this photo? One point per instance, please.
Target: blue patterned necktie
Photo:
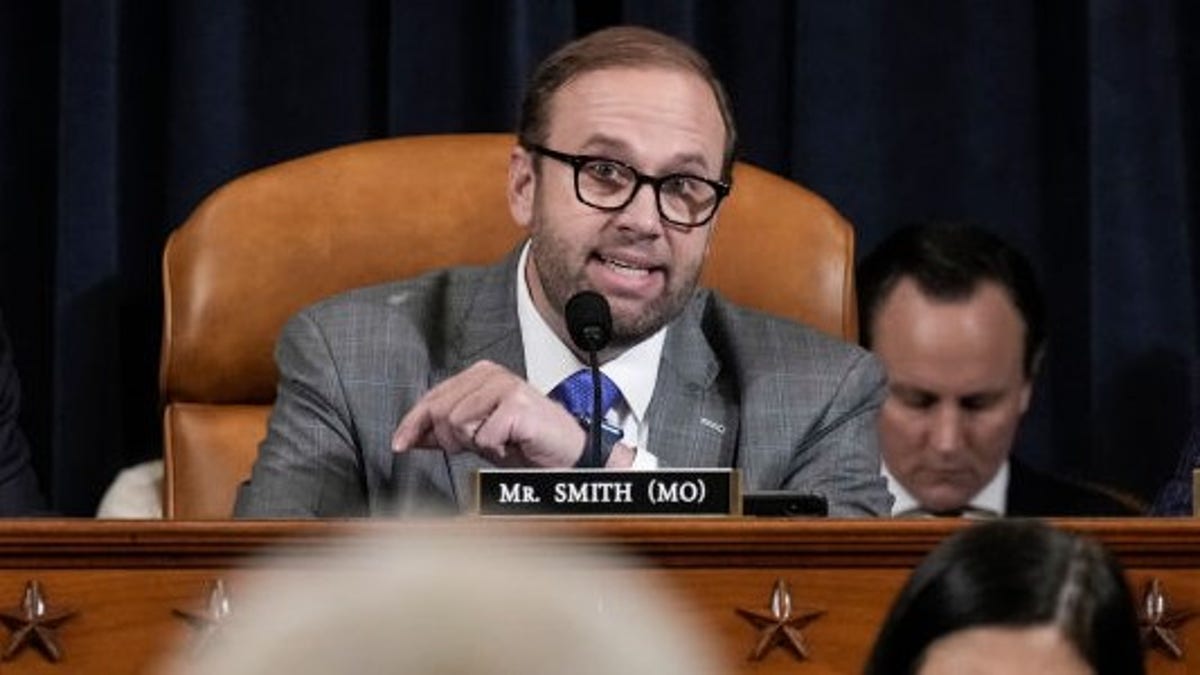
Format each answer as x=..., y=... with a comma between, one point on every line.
x=575, y=394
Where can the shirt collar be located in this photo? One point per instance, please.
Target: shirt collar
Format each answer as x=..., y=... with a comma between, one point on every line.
x=992, y=498
x=548, y=360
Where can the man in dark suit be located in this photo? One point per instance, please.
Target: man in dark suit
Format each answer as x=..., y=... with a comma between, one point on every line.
x=391, y=397
x=19, y=494
x=957, y=319
x=1175, y=497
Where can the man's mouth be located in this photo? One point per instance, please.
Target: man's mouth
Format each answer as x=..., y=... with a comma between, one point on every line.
x=625, y=267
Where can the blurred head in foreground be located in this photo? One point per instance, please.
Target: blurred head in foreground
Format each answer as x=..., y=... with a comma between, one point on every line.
x=1012, y=596
x=473, y=605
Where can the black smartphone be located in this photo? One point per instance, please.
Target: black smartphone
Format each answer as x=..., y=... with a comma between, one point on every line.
x=782, y=504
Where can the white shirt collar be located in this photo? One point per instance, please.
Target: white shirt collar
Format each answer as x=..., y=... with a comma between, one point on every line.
x=548, y=361
x=993, y=497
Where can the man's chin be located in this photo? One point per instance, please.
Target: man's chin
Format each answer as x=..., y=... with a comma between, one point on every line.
x=631, y=328
x=625, y=336
x=636, y=321
x=942, y=499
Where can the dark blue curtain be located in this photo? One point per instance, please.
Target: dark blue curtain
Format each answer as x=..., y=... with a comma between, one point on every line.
x=1067, y=127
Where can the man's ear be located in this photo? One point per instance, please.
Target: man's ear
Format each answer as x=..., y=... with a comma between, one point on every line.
x=1035, y=367
x=1026, y=395
x=522, y=183
x=1035, y=364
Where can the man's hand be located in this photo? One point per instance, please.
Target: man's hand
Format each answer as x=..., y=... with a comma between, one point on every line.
x=621, y=457
x=492, y=412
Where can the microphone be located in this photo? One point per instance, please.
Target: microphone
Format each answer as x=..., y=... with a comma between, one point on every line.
x=589, y=321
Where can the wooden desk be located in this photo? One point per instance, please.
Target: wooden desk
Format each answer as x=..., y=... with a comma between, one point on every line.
x=124, y=579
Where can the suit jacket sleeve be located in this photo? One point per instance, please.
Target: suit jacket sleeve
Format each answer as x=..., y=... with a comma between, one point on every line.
x=19, y=493
x=309, y=464
x=792, y=408
x=1175, y=498
x=839, y=456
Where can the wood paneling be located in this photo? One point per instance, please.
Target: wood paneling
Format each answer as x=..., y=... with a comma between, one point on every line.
x=125, y=578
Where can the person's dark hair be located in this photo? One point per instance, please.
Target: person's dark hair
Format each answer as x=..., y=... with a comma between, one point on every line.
x=1014, y=573
x=948, y=262
x=617, y=47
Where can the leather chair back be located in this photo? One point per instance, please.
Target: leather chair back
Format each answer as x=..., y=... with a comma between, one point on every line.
x=276, y=240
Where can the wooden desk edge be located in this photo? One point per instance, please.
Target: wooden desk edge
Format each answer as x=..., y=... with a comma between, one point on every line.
x=68, y=543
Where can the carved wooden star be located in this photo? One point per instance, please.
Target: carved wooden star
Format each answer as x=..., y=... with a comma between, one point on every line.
x=1159, y=622
x=782, y=624
x=34, y=622
x=208, y=622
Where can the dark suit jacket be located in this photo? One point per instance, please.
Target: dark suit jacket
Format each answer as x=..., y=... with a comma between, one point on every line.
x=794, y=409
x=1033, y=493
x=19, y=494
x=1175, y=498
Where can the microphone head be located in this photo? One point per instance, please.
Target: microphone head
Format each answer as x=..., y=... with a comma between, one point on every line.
x=589, y=321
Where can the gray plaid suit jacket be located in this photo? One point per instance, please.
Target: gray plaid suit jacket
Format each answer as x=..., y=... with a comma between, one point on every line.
x=794, y=409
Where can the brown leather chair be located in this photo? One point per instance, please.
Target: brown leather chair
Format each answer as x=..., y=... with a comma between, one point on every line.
x=271, y=242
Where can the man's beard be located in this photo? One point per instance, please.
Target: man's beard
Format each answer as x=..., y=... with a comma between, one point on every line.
x=559, y=283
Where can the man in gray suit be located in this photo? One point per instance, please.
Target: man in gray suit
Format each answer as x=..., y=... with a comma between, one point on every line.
x=391, y=397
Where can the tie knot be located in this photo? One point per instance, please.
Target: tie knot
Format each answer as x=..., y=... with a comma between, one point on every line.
x=575, y=393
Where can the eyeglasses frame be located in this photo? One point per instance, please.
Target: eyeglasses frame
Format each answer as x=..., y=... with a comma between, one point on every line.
x=577, y=162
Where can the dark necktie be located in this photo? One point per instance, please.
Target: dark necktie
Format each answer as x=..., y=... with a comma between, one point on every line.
x=575, y=393
x=968, y=512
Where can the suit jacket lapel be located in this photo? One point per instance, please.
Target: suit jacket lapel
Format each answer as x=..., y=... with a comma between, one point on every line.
x=693, y=420
x=487, y=326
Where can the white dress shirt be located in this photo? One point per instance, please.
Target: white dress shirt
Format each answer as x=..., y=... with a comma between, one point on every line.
x=548, y=361
x=991, y=500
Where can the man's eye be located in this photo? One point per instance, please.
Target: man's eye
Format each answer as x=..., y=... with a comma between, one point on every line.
x=978, y=402
x=916, y=401
x=688, y=187
x=677, y=185
x=605, y=171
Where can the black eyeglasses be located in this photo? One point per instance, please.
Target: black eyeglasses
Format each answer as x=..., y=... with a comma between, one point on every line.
x=609, y=185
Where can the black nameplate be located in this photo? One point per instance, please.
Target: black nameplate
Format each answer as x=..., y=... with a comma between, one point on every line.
x=601, y=492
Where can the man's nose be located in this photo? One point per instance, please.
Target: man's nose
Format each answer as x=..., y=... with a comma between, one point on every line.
x=948, y=429
x=641, y=213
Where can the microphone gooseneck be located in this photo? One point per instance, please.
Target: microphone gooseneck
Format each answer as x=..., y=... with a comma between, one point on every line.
x=589, y=321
